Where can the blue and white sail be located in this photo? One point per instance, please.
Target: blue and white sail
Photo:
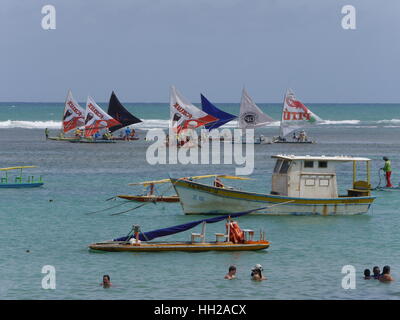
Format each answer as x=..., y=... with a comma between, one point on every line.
x=222, y=116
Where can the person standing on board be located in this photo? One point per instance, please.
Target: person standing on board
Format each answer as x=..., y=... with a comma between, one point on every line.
x=388, y=172
x=46, y=132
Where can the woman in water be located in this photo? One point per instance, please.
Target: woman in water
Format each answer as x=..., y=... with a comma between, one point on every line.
x=256, y=273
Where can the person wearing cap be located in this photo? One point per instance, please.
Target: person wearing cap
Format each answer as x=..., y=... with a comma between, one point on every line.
x=256, y=273
x=387, y=168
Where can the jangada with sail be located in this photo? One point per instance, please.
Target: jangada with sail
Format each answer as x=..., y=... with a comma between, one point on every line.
x=73, y=118
x=295, y=116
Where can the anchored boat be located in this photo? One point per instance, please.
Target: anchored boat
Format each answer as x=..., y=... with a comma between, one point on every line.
x=18, y=181
x=301, y=185
x=235, y=239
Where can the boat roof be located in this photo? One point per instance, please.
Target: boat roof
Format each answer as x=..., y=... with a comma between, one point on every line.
x=14, y=168
x=341, y=158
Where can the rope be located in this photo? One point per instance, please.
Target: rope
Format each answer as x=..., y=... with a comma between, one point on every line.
x=380, y=180
x=120, y=204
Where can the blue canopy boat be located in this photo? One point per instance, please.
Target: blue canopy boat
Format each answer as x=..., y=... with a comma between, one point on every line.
x=235, y=238
x=18, y=182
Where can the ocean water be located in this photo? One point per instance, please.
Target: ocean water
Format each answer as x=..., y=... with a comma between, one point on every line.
x=304, y=260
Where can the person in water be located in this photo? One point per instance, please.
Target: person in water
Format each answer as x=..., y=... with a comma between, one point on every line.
x=106, y=281
x=386, y=276
x=231, y=273
x=256, y=273
x=46, y=132
x=387, y=168
x=367, y=274
x=377, y=272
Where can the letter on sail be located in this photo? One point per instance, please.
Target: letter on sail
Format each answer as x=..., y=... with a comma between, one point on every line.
x=74, y=115
x=251, y=115
x=96, y=118
x=183, y=114
x=295, y=115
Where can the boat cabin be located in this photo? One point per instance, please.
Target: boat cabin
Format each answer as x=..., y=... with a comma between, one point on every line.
x=315, y=176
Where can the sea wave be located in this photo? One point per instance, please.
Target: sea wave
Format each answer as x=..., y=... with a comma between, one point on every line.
x=149, y=124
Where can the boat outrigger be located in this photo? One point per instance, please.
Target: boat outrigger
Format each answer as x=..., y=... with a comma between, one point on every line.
x=18, y=181
x=235, y=239
x=301, y=185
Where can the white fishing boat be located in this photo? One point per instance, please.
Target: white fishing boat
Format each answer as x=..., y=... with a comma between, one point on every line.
x=301, y=185
x=295, y=116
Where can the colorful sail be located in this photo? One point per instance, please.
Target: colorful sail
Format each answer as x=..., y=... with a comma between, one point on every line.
x=251, y=116
x=97, y=119
x=74, y=114
x=185, y=115
x=150, y=235
x=119, y=113
x=223, y=117
x=295, y=115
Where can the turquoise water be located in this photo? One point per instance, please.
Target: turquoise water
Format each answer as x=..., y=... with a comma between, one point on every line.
x=306, y=254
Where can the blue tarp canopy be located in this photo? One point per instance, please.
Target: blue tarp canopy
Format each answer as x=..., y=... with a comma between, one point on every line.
x=150, y=235
x=223, y=117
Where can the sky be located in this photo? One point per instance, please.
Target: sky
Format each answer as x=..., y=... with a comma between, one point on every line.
x=139, y=48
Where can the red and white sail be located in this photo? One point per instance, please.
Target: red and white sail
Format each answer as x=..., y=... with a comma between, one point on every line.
x=74, y=114
x=295, y=115
x=185, y=115
x=96, y=118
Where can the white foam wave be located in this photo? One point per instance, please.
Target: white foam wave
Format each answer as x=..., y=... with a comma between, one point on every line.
x=389, y=121
x=340, y=122
x=30, y=124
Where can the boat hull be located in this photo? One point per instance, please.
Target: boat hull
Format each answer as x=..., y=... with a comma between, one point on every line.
x=63, y=139
x=180, y=246
x=21, y=185
x=92, y=141
x=196, y=198
x=150, y=198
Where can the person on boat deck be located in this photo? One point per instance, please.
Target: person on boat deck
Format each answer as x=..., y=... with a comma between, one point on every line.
x=218, y=183
x=106, y=281
x=46, y=132
x=387, y=168
x=231, y=273
x=127, y=133
x=132, y=134
x=367, y=274
x=256, y=273
x=150, y=189
x=377, y=272
x=96, y=135
x=385, y=276
x=78, y=133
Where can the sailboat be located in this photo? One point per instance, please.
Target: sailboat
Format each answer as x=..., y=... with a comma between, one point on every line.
x=251, y=116
x=222, y=116
x=185, y=117
x=232, y=239
x=96, y=120
x=119, y=113
x=295, y=116
x=73, y=117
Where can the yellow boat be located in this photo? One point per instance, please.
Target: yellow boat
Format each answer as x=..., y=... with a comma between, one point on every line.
x=235, y=239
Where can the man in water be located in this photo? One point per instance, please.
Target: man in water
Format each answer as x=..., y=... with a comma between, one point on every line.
x=106, y=281
x=388, y=172
x=377, y=272
x=385, y=276
x=367, y=274
x=231, y=273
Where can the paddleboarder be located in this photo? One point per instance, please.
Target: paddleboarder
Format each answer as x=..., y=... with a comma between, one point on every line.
x=387, y=168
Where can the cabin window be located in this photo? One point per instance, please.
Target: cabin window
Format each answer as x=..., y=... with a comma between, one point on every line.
x=285, y=166
x=322, y=164
x=308, y=164
x=277, y=166
x=309, y=182
x=324, y=182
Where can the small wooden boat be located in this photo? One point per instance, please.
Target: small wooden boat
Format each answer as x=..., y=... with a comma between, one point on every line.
x=235, y=238
x=84, y=140
x=18, y=182
x=150, y=198
x=74, y=139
